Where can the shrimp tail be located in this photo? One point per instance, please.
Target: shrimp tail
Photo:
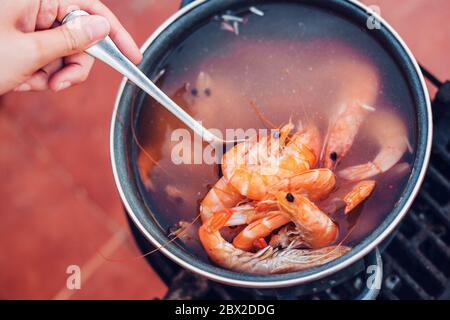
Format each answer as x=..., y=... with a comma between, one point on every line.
x=389, y=132
x=360, y=172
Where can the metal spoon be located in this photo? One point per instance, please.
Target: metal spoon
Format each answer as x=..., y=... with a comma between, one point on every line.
x=107, y=51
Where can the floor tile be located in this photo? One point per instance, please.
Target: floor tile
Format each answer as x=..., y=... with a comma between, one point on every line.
x=121, y=274
x=45, y=225
x=423, y=25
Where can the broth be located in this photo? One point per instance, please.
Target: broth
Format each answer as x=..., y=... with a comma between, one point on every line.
x=288, y=63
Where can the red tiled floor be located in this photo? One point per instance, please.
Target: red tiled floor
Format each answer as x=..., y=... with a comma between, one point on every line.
x=116, y=278
x=59, y=205
x=424, y=26
x=45, y=225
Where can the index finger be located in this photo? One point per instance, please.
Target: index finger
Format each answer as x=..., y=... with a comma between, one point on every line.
x=118, y=33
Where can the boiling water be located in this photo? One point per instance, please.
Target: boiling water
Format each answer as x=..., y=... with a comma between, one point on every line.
x=292, y=63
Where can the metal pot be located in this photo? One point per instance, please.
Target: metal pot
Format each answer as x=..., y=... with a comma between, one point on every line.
x=130, y=99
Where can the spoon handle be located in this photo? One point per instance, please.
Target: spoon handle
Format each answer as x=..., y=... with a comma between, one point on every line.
x=107, y=51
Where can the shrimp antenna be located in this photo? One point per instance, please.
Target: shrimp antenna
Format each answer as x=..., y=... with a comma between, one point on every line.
x=154, y=250
x=263, y=118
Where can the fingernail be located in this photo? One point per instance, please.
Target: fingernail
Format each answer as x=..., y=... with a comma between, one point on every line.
x=97, y=27
x=23, y=87
x=63, y=85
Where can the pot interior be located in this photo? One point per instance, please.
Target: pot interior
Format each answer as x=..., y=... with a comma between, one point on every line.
x=153, y=187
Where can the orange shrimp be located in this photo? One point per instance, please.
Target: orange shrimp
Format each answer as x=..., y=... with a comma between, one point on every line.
x=359, y=193
x=245, y=214
x=221, y=196
x=389, y=132
x=317, y=229
x=265, y=261
x=253, y=167
x=315, y=184
x=301, y=151
x=259, y=229
x=342, y=132
x=360, y=85
x=310, y=136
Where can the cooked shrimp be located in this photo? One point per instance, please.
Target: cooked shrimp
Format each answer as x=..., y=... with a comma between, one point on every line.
x=254, y=166
x=317, y=229
x=359, y=193
x=342, y=132
x=302, y=149
x=309, y=135
x=221, y=196
x=360, y=85
x=245, y=214
x=265, y=261
x=389, y=132
x=315, y=184
x=259, y=229
x=250, y=181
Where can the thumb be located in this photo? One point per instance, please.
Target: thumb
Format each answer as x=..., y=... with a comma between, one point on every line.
x=73, y=37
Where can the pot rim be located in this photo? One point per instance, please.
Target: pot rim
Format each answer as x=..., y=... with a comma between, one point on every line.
x=313, y=276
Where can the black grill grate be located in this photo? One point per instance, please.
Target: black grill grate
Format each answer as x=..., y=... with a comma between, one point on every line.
x=422, y=246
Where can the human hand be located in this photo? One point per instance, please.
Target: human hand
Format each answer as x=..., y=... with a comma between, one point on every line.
x=37, y=53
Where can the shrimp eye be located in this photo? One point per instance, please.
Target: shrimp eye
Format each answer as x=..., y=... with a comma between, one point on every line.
x=333, y=156
x=194, y=92
x=208, y=92
x=290, y=197
x=276, y=134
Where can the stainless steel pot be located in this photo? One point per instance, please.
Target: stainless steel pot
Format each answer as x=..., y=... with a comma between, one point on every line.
x=129, y=99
